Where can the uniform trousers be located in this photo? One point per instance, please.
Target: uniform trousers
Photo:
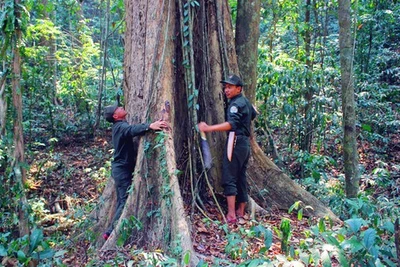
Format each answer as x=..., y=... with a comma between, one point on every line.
x=234, y=179
x=122, y=183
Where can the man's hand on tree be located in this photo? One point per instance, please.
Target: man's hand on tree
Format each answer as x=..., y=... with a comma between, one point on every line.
x=158, y=125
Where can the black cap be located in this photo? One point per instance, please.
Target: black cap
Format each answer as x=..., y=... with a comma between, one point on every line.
x=233, y=79
x=109, y=112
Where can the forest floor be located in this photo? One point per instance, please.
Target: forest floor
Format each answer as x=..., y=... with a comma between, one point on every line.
x=67, y=182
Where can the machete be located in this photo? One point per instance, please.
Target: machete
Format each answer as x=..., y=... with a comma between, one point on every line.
x=206, y=150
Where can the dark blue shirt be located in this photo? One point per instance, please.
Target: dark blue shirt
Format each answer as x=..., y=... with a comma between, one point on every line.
x=124, y=150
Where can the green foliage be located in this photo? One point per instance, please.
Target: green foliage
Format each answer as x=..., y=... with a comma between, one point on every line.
x=284, y=234
x=34, y=247
x=288, y=73
x=298, y=206
x=186, y=258
x=61, y=59
x=266, y=234
x=236, y=246
x=281, y=88
x=377, y=114
x=233, y=6
x=314, y=164
x=157, y=259
x=11, y=192
x=128, y=225
x=61, y=54
x=283, y=74
x=13, y=17
x=360, y=242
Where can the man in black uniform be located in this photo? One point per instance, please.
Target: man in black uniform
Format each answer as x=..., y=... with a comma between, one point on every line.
x=123, y=164
x=239, y=115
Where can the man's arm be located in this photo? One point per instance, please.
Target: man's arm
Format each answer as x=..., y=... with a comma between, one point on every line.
x=221, y=127
x=141, y=128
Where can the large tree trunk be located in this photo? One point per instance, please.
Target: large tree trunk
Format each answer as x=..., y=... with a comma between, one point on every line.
x=164, y=62
x=150, y=84
x=350, y=153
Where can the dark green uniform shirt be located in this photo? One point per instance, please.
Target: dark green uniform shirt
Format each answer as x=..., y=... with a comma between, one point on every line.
x=240, y=113
x=124, y=150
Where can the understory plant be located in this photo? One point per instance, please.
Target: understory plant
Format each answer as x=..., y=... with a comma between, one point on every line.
x=27, y=250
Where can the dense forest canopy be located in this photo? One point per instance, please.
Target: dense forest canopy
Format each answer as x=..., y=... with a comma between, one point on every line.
x=63, y=61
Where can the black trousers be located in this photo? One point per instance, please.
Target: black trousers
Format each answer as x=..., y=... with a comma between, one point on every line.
x=122, y=184
x=234, y=179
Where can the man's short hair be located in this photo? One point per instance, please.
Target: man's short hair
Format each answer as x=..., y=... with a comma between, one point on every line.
x=109, y=112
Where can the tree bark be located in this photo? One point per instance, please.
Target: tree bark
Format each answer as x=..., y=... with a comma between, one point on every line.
x=308, y=108
x=51, y=91
x=3, y=102
x=246, y=41
x=397, y=239
x=350, y=153
x=158, y=53
x=155, y=200
x=103, y=70
x=19, y=173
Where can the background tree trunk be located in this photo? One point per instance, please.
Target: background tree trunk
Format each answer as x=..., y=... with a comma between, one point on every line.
x=308, y=108
x=350, y=153
x=103, y=70
x=157, y=53
x=19, y=173
x=246, y=42
x=3, y=101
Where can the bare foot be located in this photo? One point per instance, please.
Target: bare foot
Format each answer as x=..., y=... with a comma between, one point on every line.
x=239, y=214
x=231, y=220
